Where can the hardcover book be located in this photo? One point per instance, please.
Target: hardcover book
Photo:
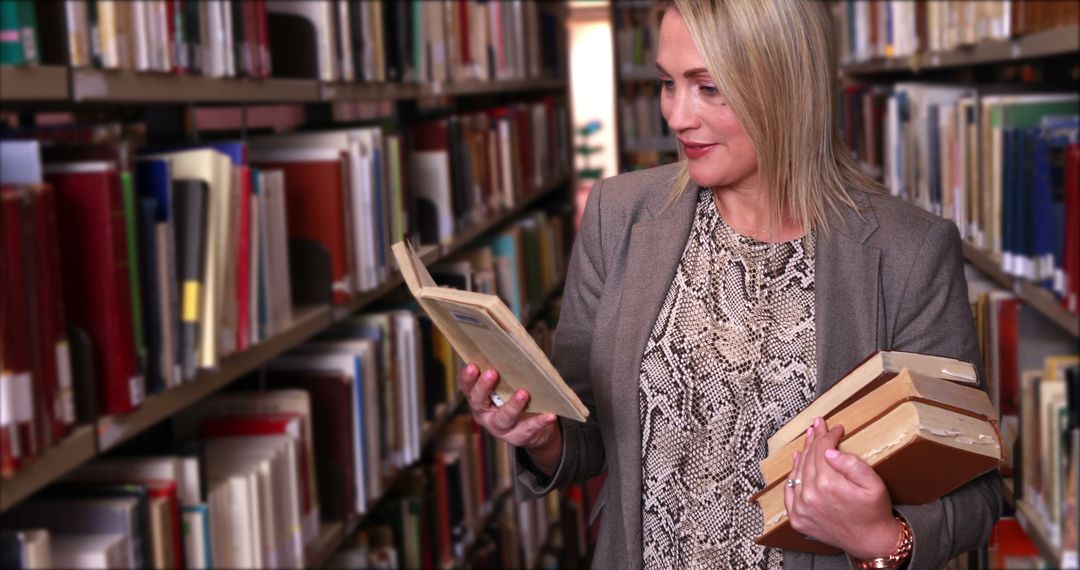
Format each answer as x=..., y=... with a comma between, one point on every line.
x=484, y=331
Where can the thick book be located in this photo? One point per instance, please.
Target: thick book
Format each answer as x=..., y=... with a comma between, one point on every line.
x=905, y=386
x=483, y=331
x=900, y=446
x=871, y=373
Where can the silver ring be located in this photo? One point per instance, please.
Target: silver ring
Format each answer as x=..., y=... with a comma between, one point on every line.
x=794, y=482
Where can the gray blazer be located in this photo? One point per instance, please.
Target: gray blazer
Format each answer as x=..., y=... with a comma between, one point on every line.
x=890, y=277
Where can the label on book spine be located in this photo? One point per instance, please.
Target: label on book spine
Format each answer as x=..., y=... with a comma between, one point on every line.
x=65, y=400
x=7, y=399
x=24, y=397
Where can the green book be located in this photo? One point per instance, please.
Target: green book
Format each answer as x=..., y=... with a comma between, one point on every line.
x=11, y=49
x=128, y=186
x=28, y=32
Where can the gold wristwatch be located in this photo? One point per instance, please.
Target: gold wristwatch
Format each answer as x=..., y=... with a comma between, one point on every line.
x=899, y=556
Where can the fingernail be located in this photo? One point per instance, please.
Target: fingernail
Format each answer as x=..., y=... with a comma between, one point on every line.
x=472, y=369
x=550, y=418
x=832, y=453
x=489, y=375
x=520, y=395
x=817, y=422
x=810, y=431
x=795, y=457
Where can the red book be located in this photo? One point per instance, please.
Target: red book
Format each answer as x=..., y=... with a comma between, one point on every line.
x=50, y=341
x=171, y=8
x=16, y=378
x=525, y=141
x=1008, y=359
x=97, y=291
x=315, y=195
x=334, y=438
x=157, y=488
x=250, y=12
x=464, y=47
x=263, y=33
x=266, y=424
x=442, y=510
x=1071, y=253
x=243, y=263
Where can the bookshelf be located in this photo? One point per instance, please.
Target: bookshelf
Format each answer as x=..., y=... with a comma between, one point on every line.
x=1036, y=297
x=56, y=83
x=33, y=83
x=77, y=448
x=1007, y=57
x=643, y=138
x=85, y=90
x=1047, y=43
x=86, y=442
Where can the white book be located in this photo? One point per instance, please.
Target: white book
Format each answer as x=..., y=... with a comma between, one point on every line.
x=107, y=550
x=196, y=534
x=231, y=523
x=430, y=171
x=275, y=457
x=267, y=402
x=20, y=162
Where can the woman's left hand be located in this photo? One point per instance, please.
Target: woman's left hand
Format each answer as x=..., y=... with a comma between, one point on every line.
x=841, y=500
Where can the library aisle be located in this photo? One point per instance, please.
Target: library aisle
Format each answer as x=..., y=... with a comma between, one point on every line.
x=208, y=355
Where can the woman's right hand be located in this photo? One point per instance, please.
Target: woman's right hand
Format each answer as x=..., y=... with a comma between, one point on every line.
x=538, y=434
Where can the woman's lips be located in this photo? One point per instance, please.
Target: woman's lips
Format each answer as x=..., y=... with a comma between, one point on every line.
x=696, y=150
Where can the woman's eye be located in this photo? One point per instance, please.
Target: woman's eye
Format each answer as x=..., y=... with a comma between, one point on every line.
x=708, y=90
x=665, y=84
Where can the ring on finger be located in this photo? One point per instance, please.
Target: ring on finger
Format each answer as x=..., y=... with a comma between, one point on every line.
x=793, y=482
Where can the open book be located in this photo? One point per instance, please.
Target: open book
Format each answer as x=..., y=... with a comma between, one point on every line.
x=483, y=331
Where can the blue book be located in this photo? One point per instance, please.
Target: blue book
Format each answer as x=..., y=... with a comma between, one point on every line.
x=198, y=541
x=381, y=247
x=505, y=246
x=1042, y=210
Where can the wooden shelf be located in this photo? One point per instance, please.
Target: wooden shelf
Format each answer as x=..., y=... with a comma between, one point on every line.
x=76, y=449
x=331, y=536
x=485, y=522
x=33, y=83
x=1033, y=526
x=114, y=430
x=1036, y=297
x=400, y=91
x=1058, y=41
x=114, y=86
x=434, y=254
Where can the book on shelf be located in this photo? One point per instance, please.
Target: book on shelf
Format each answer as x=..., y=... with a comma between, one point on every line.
x=877, y=30
x=26, y=549
x=490, y=336
x=900, y=412
x=1000, y=165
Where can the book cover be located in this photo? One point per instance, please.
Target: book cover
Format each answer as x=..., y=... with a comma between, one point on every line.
x=473, y=320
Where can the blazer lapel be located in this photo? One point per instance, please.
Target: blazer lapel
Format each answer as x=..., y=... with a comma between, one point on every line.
x=653, y=255
x=847, y=281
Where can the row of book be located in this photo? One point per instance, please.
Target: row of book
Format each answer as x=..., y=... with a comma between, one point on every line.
x=329, y=40
x=640, y=118
x=170, y=258
x=635, y=40
x=886, y=29
x=1004, y=167
x=321, y=433
x=1032, y=375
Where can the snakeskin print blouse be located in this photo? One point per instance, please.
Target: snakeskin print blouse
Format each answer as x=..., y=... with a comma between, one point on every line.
x=730, y=359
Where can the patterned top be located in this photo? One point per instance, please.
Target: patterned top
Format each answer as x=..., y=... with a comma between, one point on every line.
x=730, y=360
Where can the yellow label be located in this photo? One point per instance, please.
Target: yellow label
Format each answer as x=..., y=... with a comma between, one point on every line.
x=190, y=308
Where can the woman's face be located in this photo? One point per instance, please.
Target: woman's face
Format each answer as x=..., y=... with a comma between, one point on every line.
x=719, y=153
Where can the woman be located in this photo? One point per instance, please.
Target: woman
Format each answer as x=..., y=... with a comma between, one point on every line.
x=707, y=302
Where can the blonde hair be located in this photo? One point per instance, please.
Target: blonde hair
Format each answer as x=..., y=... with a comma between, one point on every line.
x=773, y=62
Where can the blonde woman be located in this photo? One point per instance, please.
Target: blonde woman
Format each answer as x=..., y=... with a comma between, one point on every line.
x=708, y=302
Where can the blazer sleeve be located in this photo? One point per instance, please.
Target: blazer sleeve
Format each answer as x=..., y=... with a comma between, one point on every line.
x=935, y=317
x=583, y=447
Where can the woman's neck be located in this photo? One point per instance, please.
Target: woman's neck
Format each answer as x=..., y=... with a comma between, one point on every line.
x=747, y=211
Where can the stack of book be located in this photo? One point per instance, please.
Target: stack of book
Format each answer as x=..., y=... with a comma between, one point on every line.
x=901, y=413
